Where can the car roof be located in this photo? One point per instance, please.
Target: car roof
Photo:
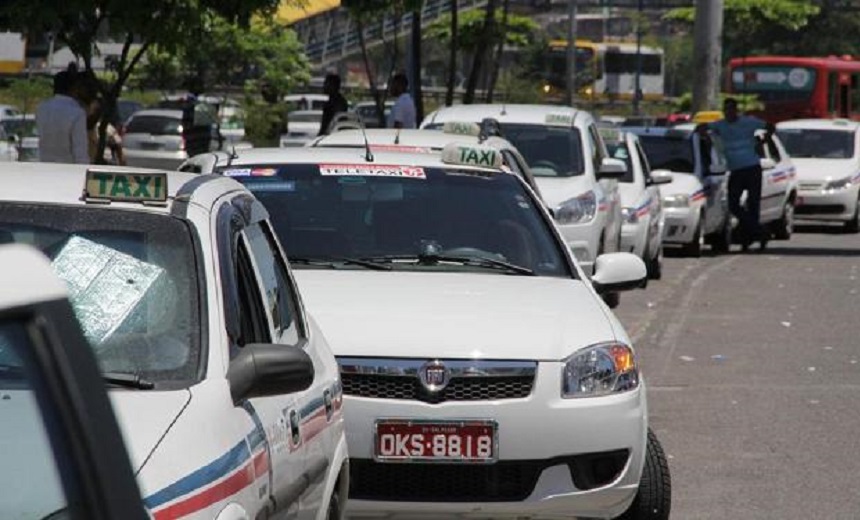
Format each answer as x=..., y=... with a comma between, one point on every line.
x=658, y=131
x=159, y=112
x=434, y=139
x=322, y=155
x=63, y=184
x=523, y=114
x=822, y=124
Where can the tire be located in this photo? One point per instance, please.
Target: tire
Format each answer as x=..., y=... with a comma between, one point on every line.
x=654, y=265
x=612, y=299
x=334, y=507
x=784, y=227
x=654, y=498
x=853, y=225
x=694, y=248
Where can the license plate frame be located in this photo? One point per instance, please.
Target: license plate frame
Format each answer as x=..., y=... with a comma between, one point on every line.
x=462, y=426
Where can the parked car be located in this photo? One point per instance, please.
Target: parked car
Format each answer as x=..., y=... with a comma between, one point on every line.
x=154, y=138
x=302, y=127
x=23, y=133
x=366, y=110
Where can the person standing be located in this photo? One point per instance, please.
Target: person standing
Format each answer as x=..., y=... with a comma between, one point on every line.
x=62, y=122
x=403, y=112
x=739, y=141
x=335, y=104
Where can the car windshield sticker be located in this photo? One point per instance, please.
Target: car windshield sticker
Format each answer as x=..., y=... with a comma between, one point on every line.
x=250, y=172
x=287, y=186
x=237, y=172
x=372, y=170
x=559, y=119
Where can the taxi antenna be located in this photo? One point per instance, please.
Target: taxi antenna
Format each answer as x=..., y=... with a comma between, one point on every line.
x=368, y=155
x=397, y=137
x=233, y=155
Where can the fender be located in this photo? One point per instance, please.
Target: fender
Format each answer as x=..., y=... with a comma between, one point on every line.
x=339, y=460
x=232, y=512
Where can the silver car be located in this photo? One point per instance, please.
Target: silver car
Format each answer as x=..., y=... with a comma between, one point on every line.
x=153, y=138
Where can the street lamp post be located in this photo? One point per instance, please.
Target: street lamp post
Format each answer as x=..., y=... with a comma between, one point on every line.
x=637, y=88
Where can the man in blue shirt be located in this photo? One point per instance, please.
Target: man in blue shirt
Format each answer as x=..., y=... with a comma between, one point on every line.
x=740, y=145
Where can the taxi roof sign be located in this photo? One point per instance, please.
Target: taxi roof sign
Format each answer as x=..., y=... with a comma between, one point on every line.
x=122, y=186
x=461, y=128
x=470, y=155
x=708, y=116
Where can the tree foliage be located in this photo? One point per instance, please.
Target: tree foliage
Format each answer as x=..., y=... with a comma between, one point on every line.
x=520, y=31
x=27, y=93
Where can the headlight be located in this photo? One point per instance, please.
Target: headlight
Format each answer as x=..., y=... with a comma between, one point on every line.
x=839, y=184
x=603, y=369
x=676, y=201
x=629, y=215
x=577, y=210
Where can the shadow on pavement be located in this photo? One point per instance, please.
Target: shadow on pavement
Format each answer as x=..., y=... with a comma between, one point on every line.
x=781, y=250
x=819, y=228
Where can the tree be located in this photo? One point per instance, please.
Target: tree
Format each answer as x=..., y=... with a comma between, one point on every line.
x=137, y=24
x=27, y=93
x=453, y=43
x=364, y=12
x=520, y=30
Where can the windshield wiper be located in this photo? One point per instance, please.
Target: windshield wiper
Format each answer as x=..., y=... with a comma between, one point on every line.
x=333, y=262
x=127, y=380
x=472, y=261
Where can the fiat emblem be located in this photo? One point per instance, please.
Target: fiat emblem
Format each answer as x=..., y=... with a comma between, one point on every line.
x=434, y=376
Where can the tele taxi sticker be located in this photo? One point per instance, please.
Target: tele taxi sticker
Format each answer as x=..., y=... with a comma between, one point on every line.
x=372, y=170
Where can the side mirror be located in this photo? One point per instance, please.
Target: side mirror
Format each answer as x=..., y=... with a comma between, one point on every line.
x=611, y=169
x=616, y=272
x=262, y=370
x=661, y=177
x=767, y=163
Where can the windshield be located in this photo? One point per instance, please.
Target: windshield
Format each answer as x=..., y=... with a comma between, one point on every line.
x=341, y=211
x=621, y=151
x=822, y=144
x=131, y=280
x=549, y=151
x=673, y=153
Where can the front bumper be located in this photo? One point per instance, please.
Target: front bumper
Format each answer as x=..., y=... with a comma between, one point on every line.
x=543, y=434
x=827, y=205
x=680, y=225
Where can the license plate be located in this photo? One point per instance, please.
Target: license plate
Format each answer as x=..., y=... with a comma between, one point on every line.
x=151, y=146
x=435, y=441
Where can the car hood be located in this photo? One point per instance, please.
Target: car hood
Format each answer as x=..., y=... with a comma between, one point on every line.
x=682, y=184
x=556, y=190
x=144, y=417
x=453, y=315
x=30, y=486
x=824, y=169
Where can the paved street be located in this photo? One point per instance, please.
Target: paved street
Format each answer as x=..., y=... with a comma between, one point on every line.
x=753, y=366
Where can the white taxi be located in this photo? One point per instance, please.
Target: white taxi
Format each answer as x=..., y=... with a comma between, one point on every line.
x=432, y=141
x=642, y=233
x=567, y=156
x=461, y=322
x=826, y=153
x=227, y=395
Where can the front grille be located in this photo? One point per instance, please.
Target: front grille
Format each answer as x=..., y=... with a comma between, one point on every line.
x=507, y=481
x=459, y=389
x=819, y=209
x=810, y=186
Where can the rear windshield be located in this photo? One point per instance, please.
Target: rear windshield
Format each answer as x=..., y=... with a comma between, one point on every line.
x=132, y=284
x=306, y=117
x=673, y=153
x=622, y=151
x=155, y=125
x=822, y=144
x=342, y=211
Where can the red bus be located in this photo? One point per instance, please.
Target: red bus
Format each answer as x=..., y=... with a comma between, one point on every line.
x=794, y=87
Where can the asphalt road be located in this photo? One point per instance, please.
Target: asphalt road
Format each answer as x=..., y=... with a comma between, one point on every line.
x=753, y=367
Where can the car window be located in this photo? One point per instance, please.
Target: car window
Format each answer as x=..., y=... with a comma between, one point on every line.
x=31, y=479
x=817, y=143
x=643, y=162
x=132, y=282
x=673, y=153
x=597, y=151
x=279, y=298
x=620, y=150
x=324, y=212
x=549, y=151
x=253, y=321
x=155, y=125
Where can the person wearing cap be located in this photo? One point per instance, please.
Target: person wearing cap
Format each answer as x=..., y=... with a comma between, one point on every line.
x=62, y=122
x=403, y=112
x=738, y=133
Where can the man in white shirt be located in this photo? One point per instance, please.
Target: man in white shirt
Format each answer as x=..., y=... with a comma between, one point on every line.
x=403, y=111
x=62, y=124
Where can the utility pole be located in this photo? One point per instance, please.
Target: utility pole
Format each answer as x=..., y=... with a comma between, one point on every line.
x=707, y=53
x=571, y=51
x=637, y=86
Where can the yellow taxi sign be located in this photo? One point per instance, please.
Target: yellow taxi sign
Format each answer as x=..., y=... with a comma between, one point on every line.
x=466, y=155
x=708, y=116
x=461, y=128
x=126, y=186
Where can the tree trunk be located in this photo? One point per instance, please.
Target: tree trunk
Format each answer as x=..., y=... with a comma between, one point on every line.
x=416, y=65
x=494, y=75
x=371, y=79
x=480, y=53
x=452, y=55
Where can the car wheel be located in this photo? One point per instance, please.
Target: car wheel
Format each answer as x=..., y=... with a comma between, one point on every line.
x=654, y=498
x=853, y=225
x=784, y=227
x=612, y=300
x=654, y=265
x=694, y=248
x=334, y=510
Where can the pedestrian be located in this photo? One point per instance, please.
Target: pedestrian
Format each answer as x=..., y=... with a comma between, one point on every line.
x=738, y=134
x=62, y=122
x=335, y=104
x=403, y=112
x=113, y=141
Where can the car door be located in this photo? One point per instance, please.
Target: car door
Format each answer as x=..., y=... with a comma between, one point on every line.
x=655, y=208
x=712, y=173
x=311, y=411
x=609, y=187
x=774, y=179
